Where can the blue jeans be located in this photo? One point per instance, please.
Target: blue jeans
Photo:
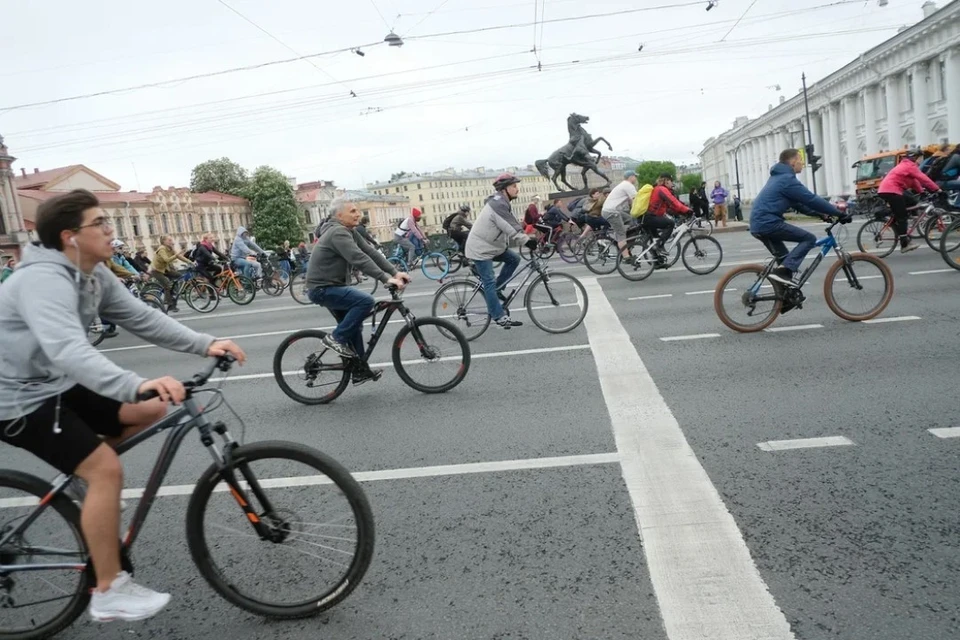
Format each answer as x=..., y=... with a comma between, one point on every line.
x=247, y=268
x=349, y=306
x=774, y=238
x=285, y=267
x=510, y=262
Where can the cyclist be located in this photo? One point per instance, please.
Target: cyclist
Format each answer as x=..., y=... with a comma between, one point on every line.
x=489, y=240
x=365, y=233
x=409, y=236
x=906, y=175
x=457, y=226
x=65, y=402
x=161, y=269
x=206, y=255
x=657, y=220
x=8, y=266
x=767, y=225
x=616, y=210
x=339, y=250
x=121, y=260
x=243, y=254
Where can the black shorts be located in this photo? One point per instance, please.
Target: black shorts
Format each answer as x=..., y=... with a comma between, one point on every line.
x=84, y=417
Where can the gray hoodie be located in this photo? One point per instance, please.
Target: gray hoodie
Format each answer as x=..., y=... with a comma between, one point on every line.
x=44, y=315
x=494, y=229
x=242, y=248
x=338, y=251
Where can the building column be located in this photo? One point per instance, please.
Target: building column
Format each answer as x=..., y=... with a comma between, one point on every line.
x=870, y=136
x=754, y=167
x=921, y=118
x=744, y=156
x=833, y=162
x=816, y=135
x=891, y=86
x=952, y=95
x=848, y=174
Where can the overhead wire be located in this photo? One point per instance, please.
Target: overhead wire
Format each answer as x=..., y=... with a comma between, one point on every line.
x=747, y=10
x=422, y=20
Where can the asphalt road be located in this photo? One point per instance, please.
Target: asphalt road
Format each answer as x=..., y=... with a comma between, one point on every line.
x=640, y=505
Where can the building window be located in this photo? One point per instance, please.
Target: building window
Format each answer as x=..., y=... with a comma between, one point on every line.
x=164, y=224
x=179, y=222
x=150, y=229
x=418, y=186
x=421, y=197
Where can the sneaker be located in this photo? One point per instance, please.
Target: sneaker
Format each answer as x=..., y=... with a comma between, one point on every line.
x=173, y=309
x=339, y=348
x=910, y=247
x=506, y=322
x=110, y=333
x=367, y=375
x=783, y=276
x=126, y=600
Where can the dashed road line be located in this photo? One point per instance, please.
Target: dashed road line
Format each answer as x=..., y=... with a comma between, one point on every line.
x=805, y=443
x=946, y=432
x=923, y=273
x=697, y=336
x=796, y=327
x=659, y=295
x=705, y=291
x=891, y=319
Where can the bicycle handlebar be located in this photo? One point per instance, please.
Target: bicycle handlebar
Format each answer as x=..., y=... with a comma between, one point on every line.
x=223, y=363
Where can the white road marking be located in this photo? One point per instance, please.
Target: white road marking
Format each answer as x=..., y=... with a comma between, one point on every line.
x=946, y=432
x=805, y=443
x=923, y=273
x=891, y=319
x=699, y=293
x=869, y=277
x=796, y=327
x=752, y=251
x=373, y=476
x=248, y=312
x=706, y=583
x=659, y=295
x=473, y=356
x=696, y=336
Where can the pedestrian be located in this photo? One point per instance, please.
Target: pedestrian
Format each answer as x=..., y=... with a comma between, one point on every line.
x=704, y=200
x=737, y=210
x=719, y=197
x=8, y=267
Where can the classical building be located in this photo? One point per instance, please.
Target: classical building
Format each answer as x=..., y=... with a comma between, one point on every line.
x=904, y=92
x=384, y=211
x=313, y=199
x=13, y=228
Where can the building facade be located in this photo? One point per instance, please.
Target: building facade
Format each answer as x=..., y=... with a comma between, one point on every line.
x=904, y=92
x=13, y=228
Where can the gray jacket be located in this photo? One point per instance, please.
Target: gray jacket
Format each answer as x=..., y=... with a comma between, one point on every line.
x=45, y=309
x=494, y=229
x=243, y=247
x=340, y=250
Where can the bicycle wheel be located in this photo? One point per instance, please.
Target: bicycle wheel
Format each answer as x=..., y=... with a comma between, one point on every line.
x=40, y=603
x=950, y=245
x=201, y=296
x=877, y=237
x=363, y=283
x=643, y=261
x=600, y=255
x=273, y=285
x=462, y=302
x=95, y=332
x=702, y=255
x=566, y=247
x=435, y=360
x=745, y=302
x=435, y=266
x=153, y=301
x=398, y=263
x=454, y=259
x=556, y=303
x=241, y=291
x=856, y=274
x=317, y=522
x=702, y=227
x=307, y=371
x=935, y=228
x=298, y=288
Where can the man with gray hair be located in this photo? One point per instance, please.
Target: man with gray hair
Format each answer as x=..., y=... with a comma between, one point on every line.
x=616, y=209
x=339, y=250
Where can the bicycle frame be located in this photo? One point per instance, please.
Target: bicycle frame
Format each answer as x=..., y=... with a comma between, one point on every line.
x=826, y=244
x=529, y=268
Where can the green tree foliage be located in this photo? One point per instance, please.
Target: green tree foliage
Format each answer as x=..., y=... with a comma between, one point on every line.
x=276, y=216
x=221, y=175
x=690, y=181
x=398, y=176
x=648, y=171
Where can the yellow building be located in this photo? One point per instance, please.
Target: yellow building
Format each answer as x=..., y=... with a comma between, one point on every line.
x=384, y=211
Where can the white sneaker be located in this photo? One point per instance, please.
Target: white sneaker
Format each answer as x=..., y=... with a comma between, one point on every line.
x=126, y=600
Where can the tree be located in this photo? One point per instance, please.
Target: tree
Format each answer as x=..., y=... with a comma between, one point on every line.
x=275, y=214
x=650, y=170
x=398, y=176
x=221, y=175
x=690, y=181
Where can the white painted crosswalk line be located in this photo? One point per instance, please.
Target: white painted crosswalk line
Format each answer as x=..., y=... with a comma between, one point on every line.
x=805, y=443
x=697, y=336
x=706, y=583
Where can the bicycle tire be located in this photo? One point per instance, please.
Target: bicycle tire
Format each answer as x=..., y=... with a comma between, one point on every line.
x=950, y=245
x=71, y=514
x=441, y=307
x=154, y=302
x=278, y=373
x=298, y=288
x=450, y=332
x=722, y=312
x=695, y=242
x=874, y=229
x=327, y=466
x=635, y=272
x=858, y=257
x=249, y=291
x=566, y=244
x=540, y=281
x=97, y=335
x=934, y=231
x=438, y=264
x=196, y=287
x=599, y=265
x=273, y=286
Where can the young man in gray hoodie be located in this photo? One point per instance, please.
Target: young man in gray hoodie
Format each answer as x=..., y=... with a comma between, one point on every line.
x=63, y=400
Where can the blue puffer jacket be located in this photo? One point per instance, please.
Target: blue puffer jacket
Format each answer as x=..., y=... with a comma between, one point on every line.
x=782, y=192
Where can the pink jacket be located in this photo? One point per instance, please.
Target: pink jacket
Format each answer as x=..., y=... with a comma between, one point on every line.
x=906, y=175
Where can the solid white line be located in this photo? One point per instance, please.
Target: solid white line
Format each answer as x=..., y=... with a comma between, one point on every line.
x=923, y=273
x=373, y=476
x=946, y=432
x=699, y=293
x=248, y=312
x=659, y=295
x=869, y=277
x=697, y=336
x=891, y=319
x=473, y=356
x=752, y=250
x=796, y=327
x=706, y=583
x=805, y=443
x=237, y=337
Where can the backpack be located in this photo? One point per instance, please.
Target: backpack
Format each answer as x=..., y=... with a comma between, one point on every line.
x=189, y=253
x=448, y=220
x=935, y=170
x=642, y=201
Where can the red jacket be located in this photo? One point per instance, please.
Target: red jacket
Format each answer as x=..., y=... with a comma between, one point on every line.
x=906, y=175
x=662, y=201
x=533, y=215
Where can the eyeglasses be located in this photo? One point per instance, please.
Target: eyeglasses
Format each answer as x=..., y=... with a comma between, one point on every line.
x=103, y=223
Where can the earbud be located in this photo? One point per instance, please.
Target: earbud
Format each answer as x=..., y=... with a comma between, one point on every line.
x=73, y=241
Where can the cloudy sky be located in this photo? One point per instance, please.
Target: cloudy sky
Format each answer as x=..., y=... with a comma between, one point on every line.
x=461, y=92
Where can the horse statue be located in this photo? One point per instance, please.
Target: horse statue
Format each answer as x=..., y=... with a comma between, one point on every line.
x=578, y=151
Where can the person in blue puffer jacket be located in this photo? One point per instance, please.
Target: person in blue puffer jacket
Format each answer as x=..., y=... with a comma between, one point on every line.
x=784, y=191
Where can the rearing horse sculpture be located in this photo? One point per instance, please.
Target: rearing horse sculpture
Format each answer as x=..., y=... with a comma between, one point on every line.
x=578, y=151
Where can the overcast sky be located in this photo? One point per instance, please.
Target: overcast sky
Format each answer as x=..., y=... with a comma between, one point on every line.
x=483, y=104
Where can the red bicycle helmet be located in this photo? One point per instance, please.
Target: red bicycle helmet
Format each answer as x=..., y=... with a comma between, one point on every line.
x=417, y=213
x=504, y=180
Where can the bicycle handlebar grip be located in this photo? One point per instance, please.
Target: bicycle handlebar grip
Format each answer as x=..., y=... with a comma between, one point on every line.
x=147, y=395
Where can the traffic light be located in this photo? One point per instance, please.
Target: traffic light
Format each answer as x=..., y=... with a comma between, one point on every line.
x=813, y=161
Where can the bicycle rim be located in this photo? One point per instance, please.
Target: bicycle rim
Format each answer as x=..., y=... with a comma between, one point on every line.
x=600, y=256
x=935, y=230
x=744, y=303
x=566, y=248
x=461, y=303
x=298, y=288
x=557, y=303
x=702, y=255
x=242, y=294
x=859, y=287
x=321, y=531
x=307, y=371
x=643, y=263
x=201, y=297
x=950, y=245
x=435, y=266
x=432, y=356
x=273, y=286
x=875, y=236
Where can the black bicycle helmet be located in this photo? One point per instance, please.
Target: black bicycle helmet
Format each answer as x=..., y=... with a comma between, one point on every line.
x=465, y=208
x=504, y=180
x=914, y=153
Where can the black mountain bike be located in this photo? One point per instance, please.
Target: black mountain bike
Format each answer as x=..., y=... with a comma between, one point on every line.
x=276, y=528
x=437, y=355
